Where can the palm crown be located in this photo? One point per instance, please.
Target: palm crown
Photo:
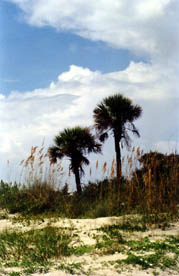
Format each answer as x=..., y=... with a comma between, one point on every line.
x=74, y=143
x=116, y=114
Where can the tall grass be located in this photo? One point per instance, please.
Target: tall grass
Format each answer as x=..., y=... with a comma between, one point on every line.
x=150, y=186
x=156, y=184
x=38, y=168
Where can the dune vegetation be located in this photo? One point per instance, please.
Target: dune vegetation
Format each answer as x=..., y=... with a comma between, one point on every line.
x=145, y=198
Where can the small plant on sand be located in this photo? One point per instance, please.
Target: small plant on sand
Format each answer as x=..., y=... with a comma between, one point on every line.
x=34, y=247
x=70, y=268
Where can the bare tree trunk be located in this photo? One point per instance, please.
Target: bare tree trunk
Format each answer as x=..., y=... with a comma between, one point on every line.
x=77, y=179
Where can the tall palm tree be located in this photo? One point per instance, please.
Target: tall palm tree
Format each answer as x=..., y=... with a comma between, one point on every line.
x=116, y=114
x=74, y=143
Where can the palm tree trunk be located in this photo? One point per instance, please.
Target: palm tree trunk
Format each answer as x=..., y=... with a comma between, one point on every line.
x=77, y=179
x=118, y=165
x=118, y=158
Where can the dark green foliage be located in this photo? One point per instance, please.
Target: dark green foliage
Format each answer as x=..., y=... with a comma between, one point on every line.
x=80, y=250
x=14, y=274
x=147, y=245
x=148, y=261
x=144, y=262
x=125, y=226
x=35, y=199
x=12, y=198
x=70, y=268
x=113, y=232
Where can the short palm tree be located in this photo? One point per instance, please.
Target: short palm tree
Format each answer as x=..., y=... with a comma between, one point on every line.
x=116, y=114
x=74, y=143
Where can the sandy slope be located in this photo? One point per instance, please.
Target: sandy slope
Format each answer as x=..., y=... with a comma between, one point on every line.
x=95, y=264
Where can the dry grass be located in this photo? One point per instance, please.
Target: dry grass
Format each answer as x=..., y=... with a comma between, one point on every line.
x=150, y=186
x=38, y=168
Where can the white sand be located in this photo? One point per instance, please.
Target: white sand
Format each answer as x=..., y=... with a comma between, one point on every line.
x=97, y=264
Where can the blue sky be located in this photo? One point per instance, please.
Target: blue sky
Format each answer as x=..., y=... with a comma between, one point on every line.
x=32, y=57
x=58, y=59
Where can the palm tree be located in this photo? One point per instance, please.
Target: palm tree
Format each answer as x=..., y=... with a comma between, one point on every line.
x=74, y=143
x=116, y=114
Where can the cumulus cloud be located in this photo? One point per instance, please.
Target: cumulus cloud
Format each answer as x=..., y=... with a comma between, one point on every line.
x=26, y=118
x=147, y=27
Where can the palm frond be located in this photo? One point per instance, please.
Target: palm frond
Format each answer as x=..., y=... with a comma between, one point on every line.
x=126, y=140
x=116, y=113
x=103, y=137
x=133, y=129
x=54, y=153
x=84, y=160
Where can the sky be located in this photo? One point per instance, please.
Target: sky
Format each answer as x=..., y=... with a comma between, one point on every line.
x=59, y=59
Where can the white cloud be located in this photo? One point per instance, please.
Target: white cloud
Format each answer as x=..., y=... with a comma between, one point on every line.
x=26, y=118
x=147, y=27
x=166, y=146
